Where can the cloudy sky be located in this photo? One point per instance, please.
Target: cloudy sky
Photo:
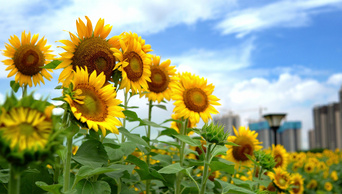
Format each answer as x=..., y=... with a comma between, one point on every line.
x=283, y=56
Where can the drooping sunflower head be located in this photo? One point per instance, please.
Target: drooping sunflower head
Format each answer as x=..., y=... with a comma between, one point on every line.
x=134, y=65
x=280, y=156
x=26, y=130
x=177, y=125
x=90, y=49
x=281, y=178
x=297, y=183
x=163, y=76
x=193, y=98
x=27, y=57
x=94, y=103
x=247, y=143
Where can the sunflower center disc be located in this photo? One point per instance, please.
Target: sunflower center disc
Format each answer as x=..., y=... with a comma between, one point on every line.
x=28, y=59
x=93, y=108
x=26, y=129
x=135, y=68
x=195, y=99
x=296, y=187
x=281, y=181
x=160, y=80
x=239, y=152
x=95, y=53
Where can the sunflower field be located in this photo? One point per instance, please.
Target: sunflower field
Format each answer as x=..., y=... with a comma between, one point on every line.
x=90, y=148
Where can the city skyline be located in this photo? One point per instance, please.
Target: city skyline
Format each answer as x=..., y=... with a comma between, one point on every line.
x=283, y=55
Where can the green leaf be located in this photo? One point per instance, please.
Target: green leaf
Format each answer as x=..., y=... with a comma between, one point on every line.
x=219, y=150
x=52, y=65
x=87, y=187
x=29, y=178
x=188, y=151
x=121, y=170
x=150, y=123
x=59, y=87
x=15, y=86
x=231, y=143
x=135, y=138
x=91, y=153
x=164, y=159
x=131, y=115
x=171, y=169
x=245, y=184
x=222, y=166
x=55, y=189
x=230, y=188
x=170, y=143
x=169, y=132
x=144, y=172
x=188, y=140
x=87, y=171
x=141, y=164
x=125, y=149
x=160, y=106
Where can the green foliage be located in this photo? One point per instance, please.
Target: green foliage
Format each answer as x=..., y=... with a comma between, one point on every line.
x=91, y=153
x=214, y=133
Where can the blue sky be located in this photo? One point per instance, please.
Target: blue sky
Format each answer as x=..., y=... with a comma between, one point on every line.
x=283, y=55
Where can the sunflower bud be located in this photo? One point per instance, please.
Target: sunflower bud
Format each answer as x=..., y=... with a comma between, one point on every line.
x=265, y=160
x=214, y=133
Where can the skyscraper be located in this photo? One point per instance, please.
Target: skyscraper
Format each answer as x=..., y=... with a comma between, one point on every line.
x=228, y=121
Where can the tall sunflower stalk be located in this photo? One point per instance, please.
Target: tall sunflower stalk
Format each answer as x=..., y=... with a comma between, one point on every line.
x=179, y=179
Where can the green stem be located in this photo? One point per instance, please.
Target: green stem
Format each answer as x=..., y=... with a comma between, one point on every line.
x=57, y=169
x=148, y=182
x=181, y=157
x=124, y=120
x=25, y=90
x=14, y=182
x=67, y=164
x=206, y=170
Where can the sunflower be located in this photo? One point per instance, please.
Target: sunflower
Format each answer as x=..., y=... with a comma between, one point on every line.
x=280, y=178
x=334, y=175
x=312, y=184
x=94, y=103
x=89, y=49
x=309, y=167
x=26, y=128
x=128, y=36
x=298, y=183
x=134, y=65
x=280, y=156
x=26, y=59
x=163, y=76
x=328, y=186
x=175, y=125
x=194, y=98
x=247, y=143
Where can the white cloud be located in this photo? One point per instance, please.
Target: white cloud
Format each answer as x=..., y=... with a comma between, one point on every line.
x=335, y=79
x=143, y=17
x=285, y=13
x=216, y=65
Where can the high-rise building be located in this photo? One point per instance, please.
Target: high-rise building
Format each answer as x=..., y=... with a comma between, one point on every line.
x=311, y=134
x=288, y=134
x=264, y=133
x=228, y=121
x=327, y=126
